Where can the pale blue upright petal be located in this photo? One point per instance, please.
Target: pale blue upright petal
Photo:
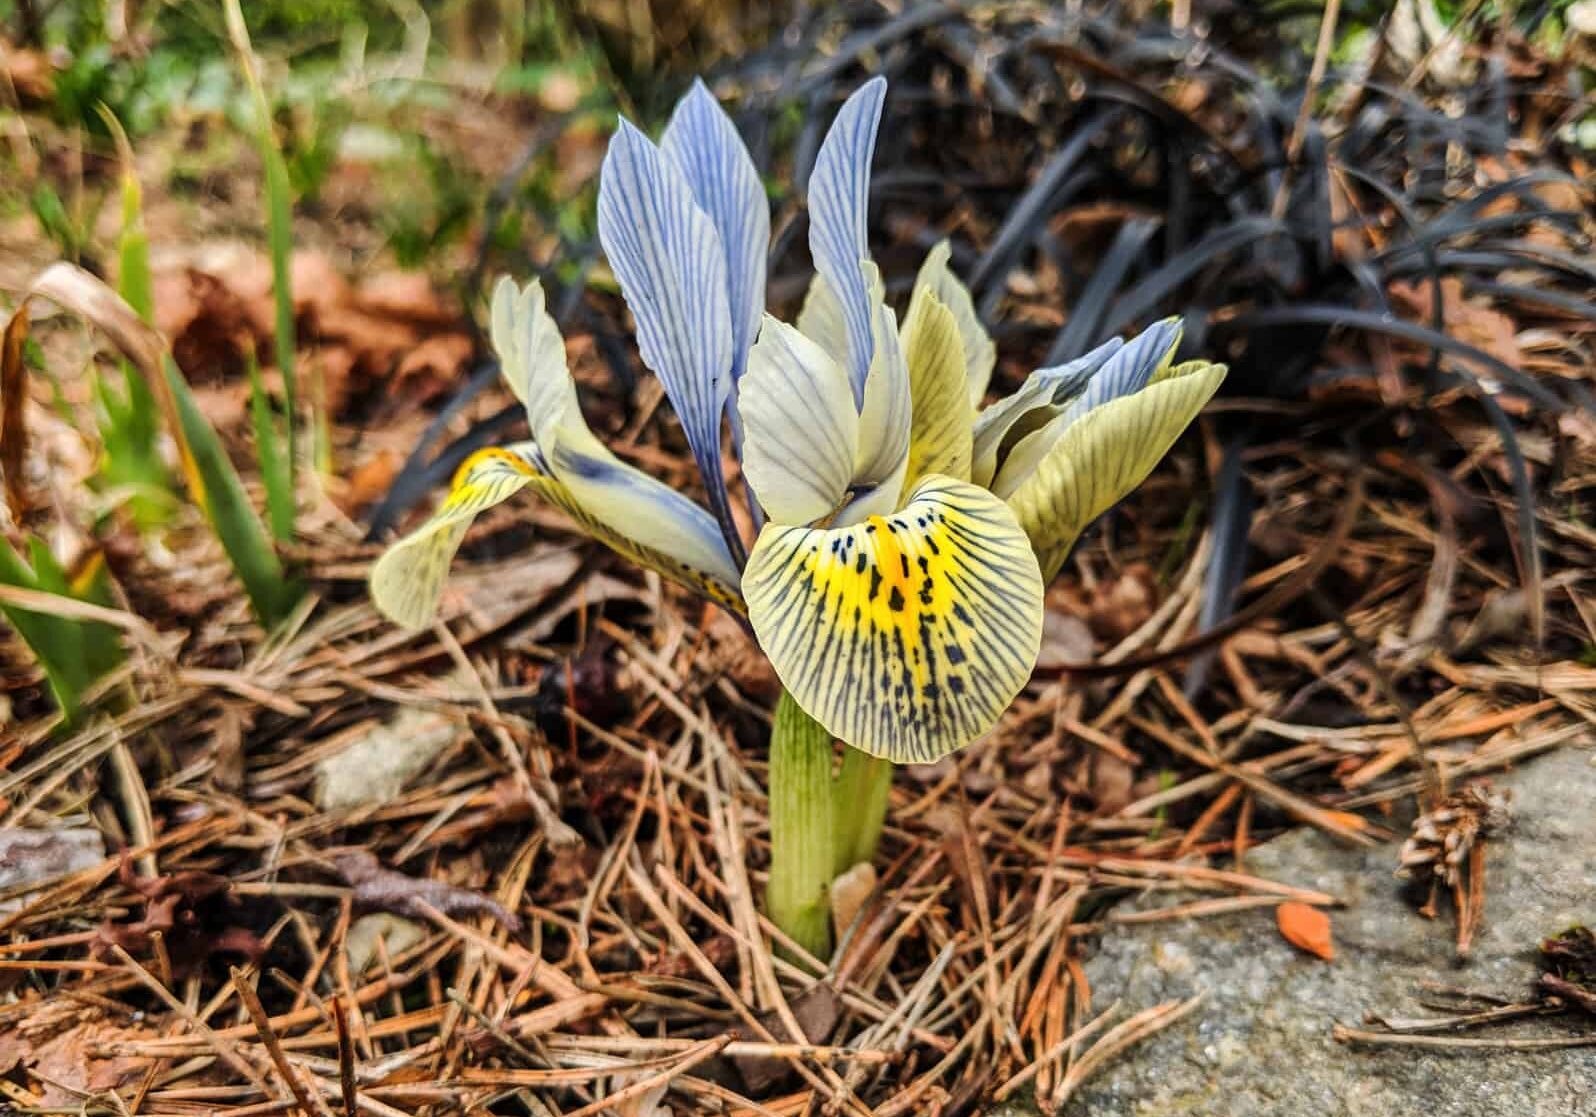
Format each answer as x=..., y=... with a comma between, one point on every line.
x=839, y=194
x=668, y=258
x=1033, y=403
x=704, y=143
x=1131, y=367
x=1128, y=371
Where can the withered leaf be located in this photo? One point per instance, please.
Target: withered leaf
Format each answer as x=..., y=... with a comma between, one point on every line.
x=391, y=891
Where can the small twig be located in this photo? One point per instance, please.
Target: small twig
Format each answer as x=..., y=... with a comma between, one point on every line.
x=1440, y=1043
x=706, y=1050
x=263, y=1028
x=1321, y=61
x=1067, y=1044
x=1118, y=1038
x=346, y=1056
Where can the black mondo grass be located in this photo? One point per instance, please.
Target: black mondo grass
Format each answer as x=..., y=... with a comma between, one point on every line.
x=1007, y=124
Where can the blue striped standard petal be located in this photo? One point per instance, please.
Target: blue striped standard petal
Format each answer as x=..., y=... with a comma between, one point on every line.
x=839, y=195
x=1130, y=369
x=1032, y=404
x=703, y=142
x=671, y=266
x=907, y=635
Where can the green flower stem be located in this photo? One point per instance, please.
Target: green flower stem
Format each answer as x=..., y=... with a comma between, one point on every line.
x=860, y=803
x=803, y=830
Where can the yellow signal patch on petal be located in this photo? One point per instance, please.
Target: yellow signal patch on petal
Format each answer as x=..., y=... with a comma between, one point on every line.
x=407, y=580
x=1104, y=454
x=906, y=635
x=942, y=416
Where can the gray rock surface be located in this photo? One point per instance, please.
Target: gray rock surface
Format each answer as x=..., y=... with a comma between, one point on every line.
x=1260, y=1044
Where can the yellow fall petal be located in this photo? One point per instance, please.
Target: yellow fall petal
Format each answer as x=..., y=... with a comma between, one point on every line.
x=407, y=580
x=641, y=518
x=942, y=416
x=980, y=354
x=907, y=635
x=1105, y=454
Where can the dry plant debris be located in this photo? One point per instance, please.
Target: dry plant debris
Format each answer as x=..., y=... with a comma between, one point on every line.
x=582, y=862
x=1447, y=850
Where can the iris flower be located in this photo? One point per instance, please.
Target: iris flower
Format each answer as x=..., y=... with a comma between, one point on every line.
x=907, y=531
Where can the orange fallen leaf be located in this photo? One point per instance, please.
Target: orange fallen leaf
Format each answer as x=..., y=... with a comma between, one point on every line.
x=1306, y=928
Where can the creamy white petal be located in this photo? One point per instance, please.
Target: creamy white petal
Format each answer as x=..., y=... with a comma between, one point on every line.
x=820, y=319
x=886, y=418
x=532, y=357
x=802, y=431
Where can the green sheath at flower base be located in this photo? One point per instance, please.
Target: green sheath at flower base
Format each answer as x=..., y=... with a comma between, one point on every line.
x=908, y=533
x=803, y=828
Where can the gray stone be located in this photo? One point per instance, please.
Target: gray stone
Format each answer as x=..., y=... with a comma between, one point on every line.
x=1260, y=1044
x=44, y=856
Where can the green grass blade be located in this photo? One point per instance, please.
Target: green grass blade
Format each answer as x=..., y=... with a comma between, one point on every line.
x=130, y=419
x=269, y=453
x=211, y=478
x=279, y=222
x=226, y=504
x=73, y=654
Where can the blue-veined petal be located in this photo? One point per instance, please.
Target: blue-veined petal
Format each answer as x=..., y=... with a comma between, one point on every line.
x=704, y=142
x=839, y=196
x=908, y=635
x=671, y=266
x=1032, y=404
x=801, y=426
x=1130, y=369
x=644, y=519
x=1105, y=454
x=980, y=354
